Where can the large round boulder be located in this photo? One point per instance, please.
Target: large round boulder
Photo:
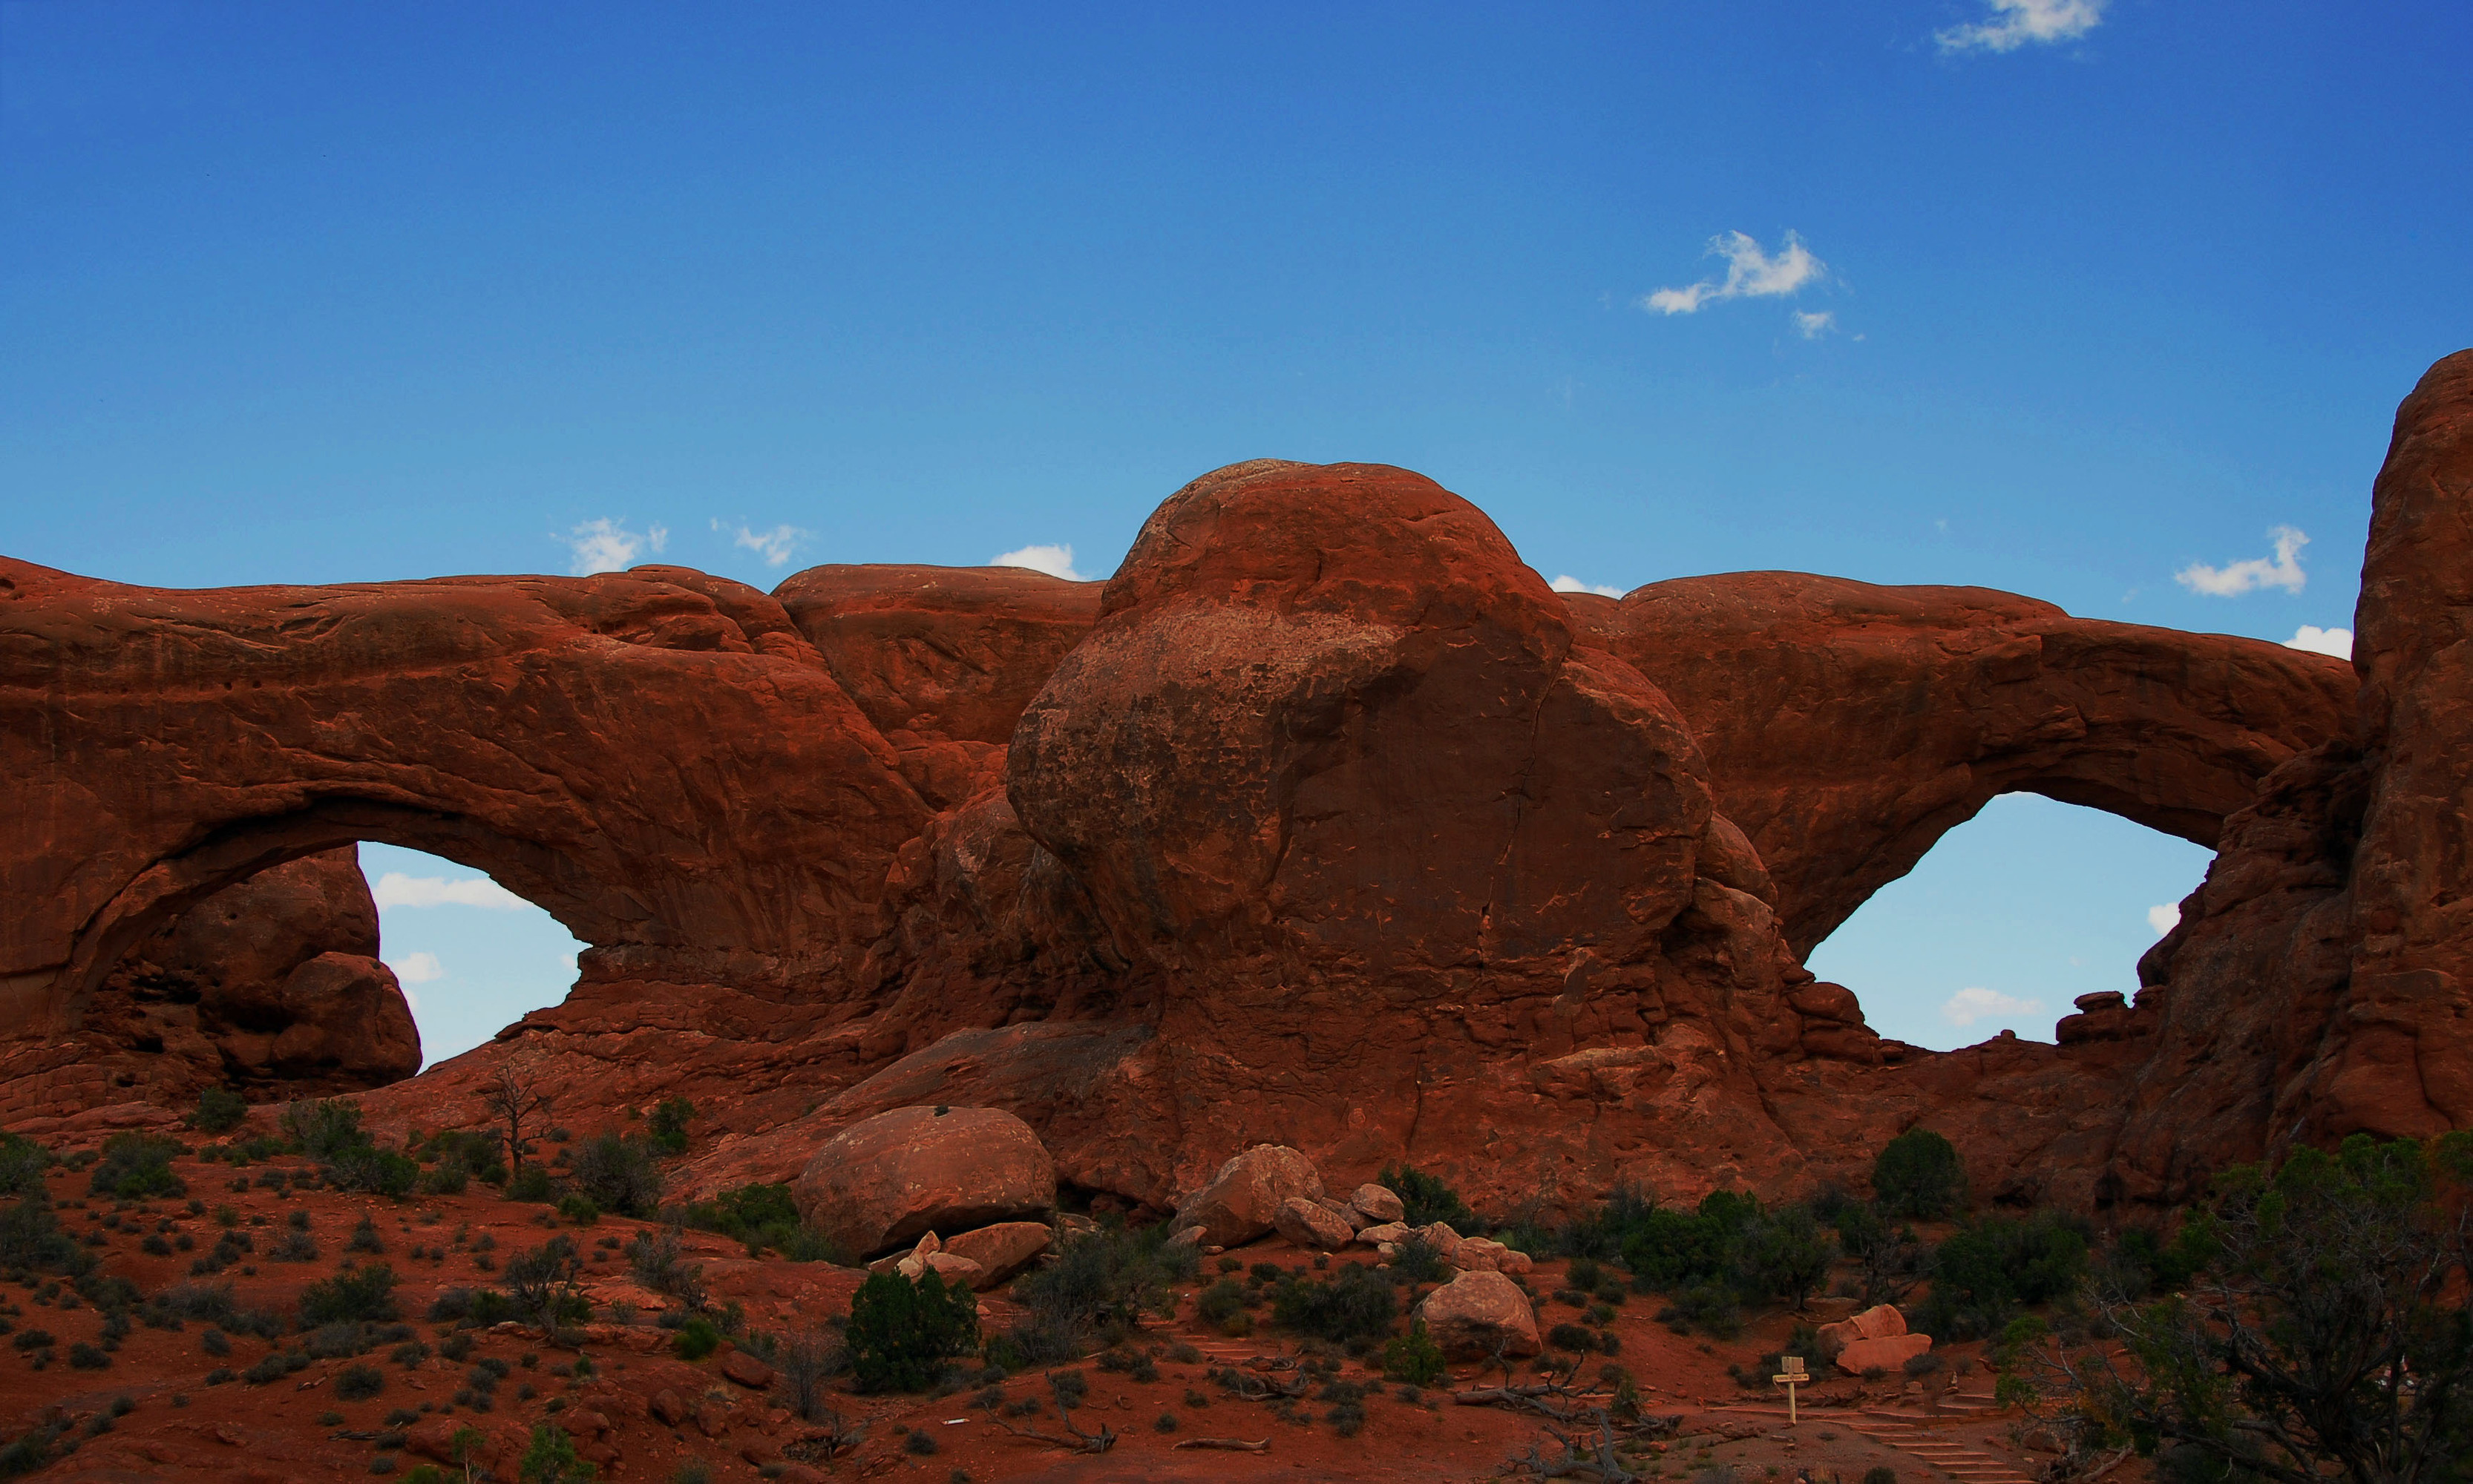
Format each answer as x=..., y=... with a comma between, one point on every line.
x=1476, y=1314
x=885, y=1182
x=1242, y=1202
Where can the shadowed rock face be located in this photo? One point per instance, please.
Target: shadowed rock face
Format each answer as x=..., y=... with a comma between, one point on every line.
x=1324, y=824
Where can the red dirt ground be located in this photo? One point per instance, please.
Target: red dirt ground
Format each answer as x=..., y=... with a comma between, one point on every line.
x=182, y=1427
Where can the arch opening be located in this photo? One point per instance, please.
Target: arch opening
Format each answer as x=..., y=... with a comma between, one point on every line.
x=2007, y=918
x=471, y=956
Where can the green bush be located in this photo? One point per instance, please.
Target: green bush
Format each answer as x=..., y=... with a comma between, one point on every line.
x=1784, y=1255
x=354, y=1295
x=1354, y=1301
x=138, y=1168
x=763, y=1216
x=530, y=1184
x=901, y=1332
x=696, y=1339
x=359, y=1382
x=1099, y=1286
x=22, y=1163
x=2140, y=1263
x=324, y=1128
x=551, y=1459
x=372, y=1170
x=579, y=1208
x=220, y=1109
x=1428, y=1199
x=668, y=1125
x=1414, y=1358
x=1670, y=1250
x=543, y=1285
x=1918, y=1174
x=618, y=1174
x=1984, y=1272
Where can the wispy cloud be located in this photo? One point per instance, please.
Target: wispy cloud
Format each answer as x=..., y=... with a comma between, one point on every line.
x=607, y=546
x=1054, y=560
x=395, y=889
x=774, y=546
x=2164, y=916
x=1567, y=583
x=2338, y=642
x=416, y=967
x=1750, y=273
x=1976, y=1003
x=1811, y=325
x=2015, y=23
x=2235, y=578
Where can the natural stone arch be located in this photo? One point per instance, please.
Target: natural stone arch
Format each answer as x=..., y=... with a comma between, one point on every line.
x=1848, y=726
x=662, y=760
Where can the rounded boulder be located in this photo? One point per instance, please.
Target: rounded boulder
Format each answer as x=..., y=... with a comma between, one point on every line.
x=883, y=1183
x=1242, y=1201
x=1475, y=1313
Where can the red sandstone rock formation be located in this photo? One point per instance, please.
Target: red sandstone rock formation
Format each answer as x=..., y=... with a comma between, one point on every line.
x=1326, y=824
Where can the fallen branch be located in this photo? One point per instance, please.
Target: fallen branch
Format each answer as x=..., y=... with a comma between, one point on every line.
x=1232, y=1445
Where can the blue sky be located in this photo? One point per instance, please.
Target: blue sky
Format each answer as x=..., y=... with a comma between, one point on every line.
x=2112, y=291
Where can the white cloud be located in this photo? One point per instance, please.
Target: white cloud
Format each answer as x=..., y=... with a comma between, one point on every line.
x=1054, y=560
x=395, y=889
x=774, y=546
x=416, y=967
x=2164, y=916
x=2338, y=642
x=2016, y=22
x=1811, y=325
x=1750, y=273
x=607, y=546
x=1567, y=583
x=2235, y=578
x=1970, y=1005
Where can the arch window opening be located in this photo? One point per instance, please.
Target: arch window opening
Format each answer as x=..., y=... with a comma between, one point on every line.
x=471, y=956
x=2007, y=918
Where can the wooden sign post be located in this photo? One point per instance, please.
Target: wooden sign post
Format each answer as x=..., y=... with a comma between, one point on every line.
x=1791, y=1379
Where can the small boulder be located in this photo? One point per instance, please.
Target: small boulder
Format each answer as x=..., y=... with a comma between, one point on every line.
x=1312, y=1224
x=1241, y=1201
x=1886, y=1354
x=1439, y=1235
x=668, y=1409
x=744, y=1368
x=1379, y=1203
x=1475, y=1313
x=882, y=1182
x=1479, y=1254
x=953, y=1267
x=1389, y=1235
x=1001, y=1250
x=1881, y=1322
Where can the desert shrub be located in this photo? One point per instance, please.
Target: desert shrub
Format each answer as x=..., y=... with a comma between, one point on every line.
x=1428, y=1199
x=324, y=1128
x=457, y=1155
x=1414, y=1358
x=667, y=1128
x=355, y=1295
x=1880, y=1474
x=359, y=1382
x=655, y=1259
x=86, y=1357
x=1100, y=1285
x=763, y=1216
x=1918, y=1174
x=1711, y=1308
x=1784, y=1255
x=806, y=1362
x=532, y=1182
x=29, y=1451
x=220, y=1110
x=1670, y=1250
x=1354, y=1302
x=696, y=1339
x=618, y=1174
x=444, y=1179
x=22, y=1163
x=1221, y=1303
x=579, y=1208
x=30, y=1238
x=1984, y=1272
x=551, y=1459
x=901, y=1332
x=2139, y=1262
x=363, y=1167
x=365, y=1236
x=1417, y=1261
x=541, y=1285
x=136, y=1167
